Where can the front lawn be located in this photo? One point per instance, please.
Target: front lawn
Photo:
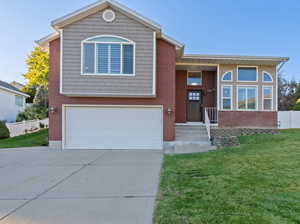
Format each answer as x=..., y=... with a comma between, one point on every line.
x=257, y=182
x=39, y=138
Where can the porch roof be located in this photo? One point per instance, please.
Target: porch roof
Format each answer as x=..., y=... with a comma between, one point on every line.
x=201, y=59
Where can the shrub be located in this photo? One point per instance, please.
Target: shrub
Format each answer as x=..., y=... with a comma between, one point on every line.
x=296, y=107
x=4, y=132
x=42, y=125
x=32, y=113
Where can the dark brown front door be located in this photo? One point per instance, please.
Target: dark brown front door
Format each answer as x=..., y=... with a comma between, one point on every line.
x=194, y=106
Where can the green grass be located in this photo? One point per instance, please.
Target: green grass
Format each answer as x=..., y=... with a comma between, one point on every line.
x=39, y=138
x=257, y=182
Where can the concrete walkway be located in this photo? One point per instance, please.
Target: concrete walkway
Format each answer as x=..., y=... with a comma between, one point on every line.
x=40, y=186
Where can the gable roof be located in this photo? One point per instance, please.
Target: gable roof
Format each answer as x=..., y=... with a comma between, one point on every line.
x=99, y=5
x=6, y=86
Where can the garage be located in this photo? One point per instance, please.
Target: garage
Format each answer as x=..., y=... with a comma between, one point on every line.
x=112, y=127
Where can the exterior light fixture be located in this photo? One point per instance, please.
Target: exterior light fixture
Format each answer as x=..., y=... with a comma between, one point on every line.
x=52, y=110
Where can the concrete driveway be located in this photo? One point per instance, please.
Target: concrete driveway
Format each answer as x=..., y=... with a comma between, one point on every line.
x=42, y=186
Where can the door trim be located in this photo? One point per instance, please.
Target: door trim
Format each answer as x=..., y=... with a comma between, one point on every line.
x=64, y=106
x=187, y=102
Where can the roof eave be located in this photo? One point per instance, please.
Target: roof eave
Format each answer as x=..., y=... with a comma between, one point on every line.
x=236, y=57
x=69, y=18
x=44, y=42
x=14, y=91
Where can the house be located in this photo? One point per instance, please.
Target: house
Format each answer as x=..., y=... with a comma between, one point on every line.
x=118, y=82
x=12, y=102
x=18, y=85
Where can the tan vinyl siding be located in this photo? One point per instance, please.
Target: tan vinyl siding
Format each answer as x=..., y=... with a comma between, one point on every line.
x=271, y=69
x=75, y=83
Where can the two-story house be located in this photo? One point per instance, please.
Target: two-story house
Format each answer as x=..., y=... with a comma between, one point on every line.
x=118, y=82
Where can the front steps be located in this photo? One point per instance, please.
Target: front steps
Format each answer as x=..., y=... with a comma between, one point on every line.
x=189, y=139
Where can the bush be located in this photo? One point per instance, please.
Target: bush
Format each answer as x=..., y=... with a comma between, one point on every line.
x=42, y=125
x=35, y=112
x=296, y=107
x=4, y=132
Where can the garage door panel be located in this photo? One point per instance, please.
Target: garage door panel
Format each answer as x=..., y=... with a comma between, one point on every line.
x=113, y=127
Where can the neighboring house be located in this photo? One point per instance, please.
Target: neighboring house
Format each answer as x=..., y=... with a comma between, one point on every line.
x=12, y=102
x=117, y=81
x=18, y=85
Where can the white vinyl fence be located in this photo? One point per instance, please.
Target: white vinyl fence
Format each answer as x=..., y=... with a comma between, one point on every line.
x=23, y=127
x=288, y=119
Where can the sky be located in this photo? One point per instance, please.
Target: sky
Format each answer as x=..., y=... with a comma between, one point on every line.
x=233, y=27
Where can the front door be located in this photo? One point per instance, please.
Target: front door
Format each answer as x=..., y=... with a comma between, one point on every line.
x=194, y=106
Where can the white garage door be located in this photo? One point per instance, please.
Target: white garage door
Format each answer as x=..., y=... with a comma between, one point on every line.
x=113, y=127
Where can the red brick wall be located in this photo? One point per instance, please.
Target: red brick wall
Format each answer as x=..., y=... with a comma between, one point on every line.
x=248, y=119
x=208, y=86
x=166, y=62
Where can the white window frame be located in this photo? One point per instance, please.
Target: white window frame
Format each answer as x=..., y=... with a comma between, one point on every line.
x=130, y=42
x=225, y=74
x=187, y=80
x=21, y=100
x=263, y=98
x=231, y=97
x=269, y=75
x=246, y=66
x=237, y=97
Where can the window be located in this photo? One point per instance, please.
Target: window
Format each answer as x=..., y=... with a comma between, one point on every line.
x=227, y=97
x=267, y=77
x=247, y=74
x=267, y=97
x=108, y=55
x=194, y=78
x=19, y=101
x=227, y=76
x=247, y=97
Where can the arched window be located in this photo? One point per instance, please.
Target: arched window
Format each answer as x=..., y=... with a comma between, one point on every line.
x=267, y=77
x=227, y=76
x=108, y=55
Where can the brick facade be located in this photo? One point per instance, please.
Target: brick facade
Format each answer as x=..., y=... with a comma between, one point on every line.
x=252, y=119
x=208, y=87
x=166, y=63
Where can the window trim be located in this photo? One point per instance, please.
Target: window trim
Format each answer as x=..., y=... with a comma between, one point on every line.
x=225, y=74
x=269, y=75
x=130, y=42
x=21, y=98
x=231, y=97
x=246, y=66
x=187, y=78
x=263, y=98
x=237, y=98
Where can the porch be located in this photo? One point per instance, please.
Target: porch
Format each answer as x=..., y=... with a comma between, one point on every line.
x=196, y=93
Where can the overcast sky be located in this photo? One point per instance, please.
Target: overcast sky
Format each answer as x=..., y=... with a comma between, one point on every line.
x=248, y=27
